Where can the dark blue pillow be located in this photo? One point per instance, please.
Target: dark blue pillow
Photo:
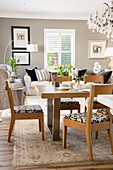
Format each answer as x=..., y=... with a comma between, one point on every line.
x=81, y=72
x=106, y=74
x=32, y=74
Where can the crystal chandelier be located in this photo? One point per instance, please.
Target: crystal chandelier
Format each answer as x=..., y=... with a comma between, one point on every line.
x=103, y=21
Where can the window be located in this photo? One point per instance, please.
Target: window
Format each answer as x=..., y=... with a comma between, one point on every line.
x=59, y=47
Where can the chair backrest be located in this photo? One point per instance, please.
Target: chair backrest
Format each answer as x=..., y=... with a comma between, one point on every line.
x=10, y=97
x=95, y=79
x=97, y=90
x=61, y=79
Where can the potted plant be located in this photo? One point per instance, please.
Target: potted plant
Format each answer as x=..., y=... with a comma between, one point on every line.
x=64, y=70
x=13, y=62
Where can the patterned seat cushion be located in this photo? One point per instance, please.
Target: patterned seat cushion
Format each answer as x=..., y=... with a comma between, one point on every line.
x=103, y=111
x=81, y=117
x=68, y=101
x=28, y=109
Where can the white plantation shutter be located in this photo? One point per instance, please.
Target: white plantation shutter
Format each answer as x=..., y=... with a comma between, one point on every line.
x=66, y=48
x=52, y=40
x=59, y=47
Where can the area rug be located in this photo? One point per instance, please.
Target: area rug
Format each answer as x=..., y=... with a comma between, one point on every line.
x=30, y=150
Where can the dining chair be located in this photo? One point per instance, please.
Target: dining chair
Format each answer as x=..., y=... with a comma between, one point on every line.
x=24, y=112
x=61, y=79
x=94, y=78
x=90, y=122
x=96, y=105
x=66, y=103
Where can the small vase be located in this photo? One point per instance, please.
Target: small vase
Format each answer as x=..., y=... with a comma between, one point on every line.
x=14, y=75
x=78, y=84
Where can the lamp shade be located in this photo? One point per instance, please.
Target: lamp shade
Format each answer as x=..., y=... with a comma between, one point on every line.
x=109, y=52
x=32, y=47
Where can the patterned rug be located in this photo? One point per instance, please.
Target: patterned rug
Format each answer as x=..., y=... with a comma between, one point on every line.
x=30, y=150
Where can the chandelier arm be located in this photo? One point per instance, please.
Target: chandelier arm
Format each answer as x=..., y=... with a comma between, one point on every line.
x=106, y=4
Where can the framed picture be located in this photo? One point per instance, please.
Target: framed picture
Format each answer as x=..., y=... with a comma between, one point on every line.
x=97, y=49
x=23, y=56
x=20, y=37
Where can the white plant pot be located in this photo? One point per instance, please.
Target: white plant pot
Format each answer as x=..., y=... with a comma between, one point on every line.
x=14, y=74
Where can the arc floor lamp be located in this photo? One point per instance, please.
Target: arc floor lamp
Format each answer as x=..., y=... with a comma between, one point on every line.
x=29, y=48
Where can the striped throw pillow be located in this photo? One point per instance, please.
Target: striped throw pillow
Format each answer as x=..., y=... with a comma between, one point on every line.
x=42, y=75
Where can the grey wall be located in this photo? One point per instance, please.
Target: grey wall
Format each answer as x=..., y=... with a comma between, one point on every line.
x=83, y=35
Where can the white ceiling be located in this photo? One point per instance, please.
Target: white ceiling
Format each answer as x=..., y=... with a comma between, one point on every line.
x=49, y=9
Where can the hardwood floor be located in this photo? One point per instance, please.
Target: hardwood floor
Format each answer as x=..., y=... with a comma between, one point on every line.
x=6, y=156
x=6, y=149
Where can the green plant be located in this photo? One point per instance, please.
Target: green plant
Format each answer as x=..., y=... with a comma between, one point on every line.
x=13, y=63
x=64, y=70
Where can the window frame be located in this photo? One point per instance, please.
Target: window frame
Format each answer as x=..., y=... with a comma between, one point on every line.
x=60, y=31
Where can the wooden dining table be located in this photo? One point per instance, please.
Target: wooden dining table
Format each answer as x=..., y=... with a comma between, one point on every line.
x=53, y=96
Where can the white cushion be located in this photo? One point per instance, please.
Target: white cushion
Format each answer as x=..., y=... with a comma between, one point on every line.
x=9, y=68
x=16, y=85
x=17, y=80
x=34, y=83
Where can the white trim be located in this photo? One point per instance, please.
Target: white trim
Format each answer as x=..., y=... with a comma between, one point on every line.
x=29, y=15
x=45, y=61
x=59, y=59
x=60, y=31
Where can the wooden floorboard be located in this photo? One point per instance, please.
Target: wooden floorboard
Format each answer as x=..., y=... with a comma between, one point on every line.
x=6, y=156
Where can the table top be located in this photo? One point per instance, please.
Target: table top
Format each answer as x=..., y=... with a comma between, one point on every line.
x=48, y=91
x=107, y=100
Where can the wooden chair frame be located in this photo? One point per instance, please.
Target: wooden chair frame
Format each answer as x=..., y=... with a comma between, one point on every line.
x=21, y=116
x=88, y=128
x=62, y=106
x=61, y=79
x=95, y=79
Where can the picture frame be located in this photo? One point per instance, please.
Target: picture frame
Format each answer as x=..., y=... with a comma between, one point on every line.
x=23, y=56
x=20, y=37
x=97, y=49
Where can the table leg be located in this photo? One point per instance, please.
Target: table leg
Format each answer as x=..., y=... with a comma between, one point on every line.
x=49, y=113
x=56, y=119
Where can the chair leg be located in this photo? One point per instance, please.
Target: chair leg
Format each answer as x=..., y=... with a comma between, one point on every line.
x=42, y=126
x=79, y=109
x=70, y=111
x=11, y=129
x=39, y=125
x=64, y=136
x=110, y=137
x=96, y=135
x=85, y=109
x=89, y=142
